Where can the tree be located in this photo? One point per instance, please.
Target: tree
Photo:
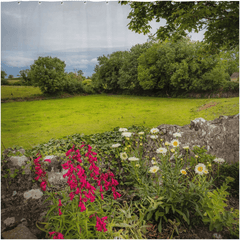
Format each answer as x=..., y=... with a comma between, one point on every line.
x=178, y=67
x=128, y=78
x=80, y=73
x=220, y=19
x=48, y=74
x=107, y=72
x=3, y=74
x=10, y=76
x=24, y=74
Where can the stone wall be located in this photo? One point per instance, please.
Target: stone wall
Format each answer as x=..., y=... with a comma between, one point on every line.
x=22, y=201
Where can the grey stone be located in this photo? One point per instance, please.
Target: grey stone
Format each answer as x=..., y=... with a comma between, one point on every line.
x=220, y=136
x=9, y=221
x=33, y=193
x=18, y=160
x=20, y=232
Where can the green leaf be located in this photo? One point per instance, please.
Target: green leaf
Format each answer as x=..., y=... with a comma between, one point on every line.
x=160, y=225
x=149, y=215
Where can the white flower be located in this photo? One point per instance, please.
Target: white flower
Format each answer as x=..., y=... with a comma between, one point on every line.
x=177, y=135
x=161, y=150
x=116, y=145
x=219, y=160
x=205, y=171
x=123, y=156
x=153, y=136
x=183, y=171
x=154, y=130
x=200, y=168
x=154, y=169
x=122, y=129
x=185, y=147
x=167, y=143
x=126, y=134
x=175, y=143
x=141, y=133
x=133, y=159
x=153, y=162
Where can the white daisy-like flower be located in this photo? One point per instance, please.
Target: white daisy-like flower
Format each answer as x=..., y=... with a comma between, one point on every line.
x=175, y=143
x=153, y=136
x=205, y=171
x=177, y=135
x=141, y=133
x=200, y=168
x=154, y=130
x=183, y=171
x=133, y=159
x=123, y=156
x=153, y=162
x=122, y=129
x=219, y=160
x=116, y=145
x=161, y=150
x=154, y=169
x=126, y=134
x=167, y=143
x=185, y=147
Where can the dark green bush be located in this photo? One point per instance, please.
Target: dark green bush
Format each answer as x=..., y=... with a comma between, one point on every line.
x=4, y=82
x=231, y=86
x=19, y=83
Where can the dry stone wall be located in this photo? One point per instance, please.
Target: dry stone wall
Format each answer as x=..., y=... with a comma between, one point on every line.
x=22, y=201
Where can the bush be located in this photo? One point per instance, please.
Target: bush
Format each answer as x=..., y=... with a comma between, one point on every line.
x=231, y=86
x=4, y=82
x=73, y=86
x=19, y=83
x=48, y=74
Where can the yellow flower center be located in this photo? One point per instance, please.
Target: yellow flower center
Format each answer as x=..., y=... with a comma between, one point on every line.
x=200, y=169
x=184, y=172
x=175, y=144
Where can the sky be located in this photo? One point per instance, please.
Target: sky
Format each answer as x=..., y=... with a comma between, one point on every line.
x=75, y=32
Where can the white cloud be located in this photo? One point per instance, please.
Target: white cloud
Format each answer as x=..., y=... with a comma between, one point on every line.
x=17, y=60
x=94, y=60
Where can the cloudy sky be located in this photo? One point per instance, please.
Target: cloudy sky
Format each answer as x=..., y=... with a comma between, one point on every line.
x=76, y=32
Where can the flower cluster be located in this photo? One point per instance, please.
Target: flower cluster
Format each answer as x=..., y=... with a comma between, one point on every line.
x=40, y=172
x=57, y=235
x=77, y=179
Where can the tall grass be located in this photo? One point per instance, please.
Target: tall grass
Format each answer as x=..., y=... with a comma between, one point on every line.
x=29, y=123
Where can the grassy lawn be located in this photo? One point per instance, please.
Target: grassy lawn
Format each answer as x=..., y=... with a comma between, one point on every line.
x=19, y=91
x=29, y=123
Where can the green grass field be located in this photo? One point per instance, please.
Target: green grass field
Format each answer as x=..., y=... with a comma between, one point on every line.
x=9, y=92
x=29, y=123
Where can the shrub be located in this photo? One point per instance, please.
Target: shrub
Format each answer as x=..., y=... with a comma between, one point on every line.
x=4, y=82
x=48, y=74
x=231, y=86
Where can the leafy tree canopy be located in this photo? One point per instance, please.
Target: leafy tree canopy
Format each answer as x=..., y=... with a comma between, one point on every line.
x=3, y=74
x=219, y=18
x=48, y=74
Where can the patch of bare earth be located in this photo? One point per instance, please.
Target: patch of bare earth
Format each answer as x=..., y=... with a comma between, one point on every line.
x=206, y=106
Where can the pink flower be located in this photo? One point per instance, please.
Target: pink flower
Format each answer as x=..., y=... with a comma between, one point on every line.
x=101, y=225
x=102, y=196
x=47, y=160
x=60, y=213
x=60, y=203
x=51, y=233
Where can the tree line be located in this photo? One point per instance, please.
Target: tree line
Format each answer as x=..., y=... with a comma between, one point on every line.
x=166, y=68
